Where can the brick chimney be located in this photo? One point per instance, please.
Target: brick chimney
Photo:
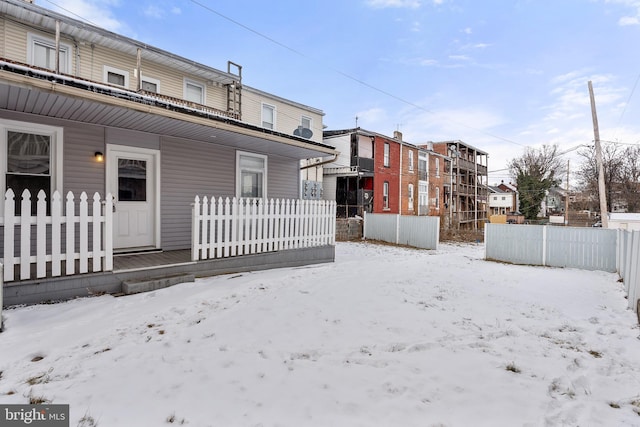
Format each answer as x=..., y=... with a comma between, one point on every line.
x=397, y=135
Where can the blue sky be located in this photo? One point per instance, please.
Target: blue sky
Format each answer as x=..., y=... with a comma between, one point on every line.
x=500, y=75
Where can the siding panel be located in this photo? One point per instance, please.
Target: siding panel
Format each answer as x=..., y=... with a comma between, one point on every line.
x=190, y=169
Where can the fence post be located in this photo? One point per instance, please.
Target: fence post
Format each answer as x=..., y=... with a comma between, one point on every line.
x=9, y=232
x=195, y=228
x=56, y=233
x=96, y=212
x=108, y=233
x=397, y=229
x=25, y=235
x=544, y=245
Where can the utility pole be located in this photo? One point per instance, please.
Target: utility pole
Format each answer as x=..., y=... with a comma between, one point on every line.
x=601, y=188
x=566, y=199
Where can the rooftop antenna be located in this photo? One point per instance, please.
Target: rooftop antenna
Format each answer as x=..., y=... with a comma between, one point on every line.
x=356, y=121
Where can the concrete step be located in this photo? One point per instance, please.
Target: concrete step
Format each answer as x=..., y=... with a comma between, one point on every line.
x=151, y=284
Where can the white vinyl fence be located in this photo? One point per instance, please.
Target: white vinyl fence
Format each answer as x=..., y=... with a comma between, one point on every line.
x=553, y=246
x=629, y=266
x=417, y=231
x=224, y=227
x=58, y=238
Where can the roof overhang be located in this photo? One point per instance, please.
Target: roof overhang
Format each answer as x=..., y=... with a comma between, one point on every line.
x=53, y=98
x=82, y=32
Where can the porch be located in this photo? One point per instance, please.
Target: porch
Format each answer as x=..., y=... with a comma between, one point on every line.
x=58, y=255
x=137, y=267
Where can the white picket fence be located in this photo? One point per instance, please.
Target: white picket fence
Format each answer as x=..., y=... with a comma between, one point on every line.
x=224, y=227
x=39, y=239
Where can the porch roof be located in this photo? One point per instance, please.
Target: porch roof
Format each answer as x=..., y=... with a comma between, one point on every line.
x=48, y=95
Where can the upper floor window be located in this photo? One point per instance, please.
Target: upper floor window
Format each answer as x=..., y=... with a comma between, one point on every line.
x=437, y=198
x=437, y=167
x=41, y=52
x=150, y=85
x=115, y=76
x=30, y=159
x=251, y=175
x=305, y=122
x=268, y=116
x=411, y=161
x=194, y=91
x=386, y=154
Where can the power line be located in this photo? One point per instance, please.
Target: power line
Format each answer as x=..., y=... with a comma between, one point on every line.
x=348, y=76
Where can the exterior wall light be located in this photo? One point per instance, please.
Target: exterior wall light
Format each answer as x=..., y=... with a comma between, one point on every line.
x=99, y=156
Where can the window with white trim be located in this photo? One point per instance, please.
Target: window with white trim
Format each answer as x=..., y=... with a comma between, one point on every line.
x=411, y=161
x=115, y=76
x=194, y=91
x=30, y=159
x=251, y=175
x=150, y=85
x=437, y=197
x=305, y=122
x=268, y=116
x=437, y=167
x=386, y=155
x=385, y=195
x=410, y=197
x=41, y=52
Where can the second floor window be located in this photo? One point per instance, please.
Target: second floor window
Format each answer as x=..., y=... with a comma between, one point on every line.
x=437, y=198
x=386, y=154
x=268, y=116
x=42, y=53
x=116, y=77
x=411, y=161
x=194, y=92
x=437, y=168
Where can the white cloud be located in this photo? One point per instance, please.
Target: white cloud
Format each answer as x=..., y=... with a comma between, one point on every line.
x=153, y=11
x=383, y=4
x=176, y=10
x=634, y=19
x=628, y=20
x=467, y=30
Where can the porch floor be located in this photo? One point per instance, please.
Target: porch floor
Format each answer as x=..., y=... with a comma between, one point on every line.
x=143, y=261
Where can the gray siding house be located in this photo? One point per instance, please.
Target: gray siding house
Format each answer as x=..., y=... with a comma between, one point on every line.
x=86, y=110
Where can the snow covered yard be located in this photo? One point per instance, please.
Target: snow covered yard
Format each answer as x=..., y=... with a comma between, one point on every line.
x=385, y=336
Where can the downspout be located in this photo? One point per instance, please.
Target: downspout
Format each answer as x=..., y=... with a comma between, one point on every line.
x=57, y=47
x=400, y=182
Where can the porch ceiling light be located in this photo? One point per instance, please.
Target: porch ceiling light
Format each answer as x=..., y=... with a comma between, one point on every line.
x=99, y=156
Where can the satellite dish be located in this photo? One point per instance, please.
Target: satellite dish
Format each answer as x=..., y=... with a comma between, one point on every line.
x=305, y=133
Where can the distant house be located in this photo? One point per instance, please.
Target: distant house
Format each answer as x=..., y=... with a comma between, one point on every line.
x=469, y=188
x=380, y=174
x=503, y=199
x=86, y=110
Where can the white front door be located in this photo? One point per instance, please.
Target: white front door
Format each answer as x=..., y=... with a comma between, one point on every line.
x=132, y=178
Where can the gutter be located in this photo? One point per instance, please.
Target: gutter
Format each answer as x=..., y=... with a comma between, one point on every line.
x=324, y=162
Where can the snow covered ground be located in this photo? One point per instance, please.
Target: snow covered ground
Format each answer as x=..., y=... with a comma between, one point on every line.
x=385, y=336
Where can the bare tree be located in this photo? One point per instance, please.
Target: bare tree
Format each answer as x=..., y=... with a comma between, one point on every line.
x=535, y=172
x=613, y=165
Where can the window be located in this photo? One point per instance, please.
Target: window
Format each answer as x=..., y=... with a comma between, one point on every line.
x=385, y=195
x=115, y=76
x=194, y=92
x=150, y=85
x=268, y=116
x=251, y=179
x=410, y=197
x=386, y=154
x=504, y=198
x=437, y=167
x=41, y=52
x=305, y=122
x=31, y=159
x=437, y=197
x=411, y=161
